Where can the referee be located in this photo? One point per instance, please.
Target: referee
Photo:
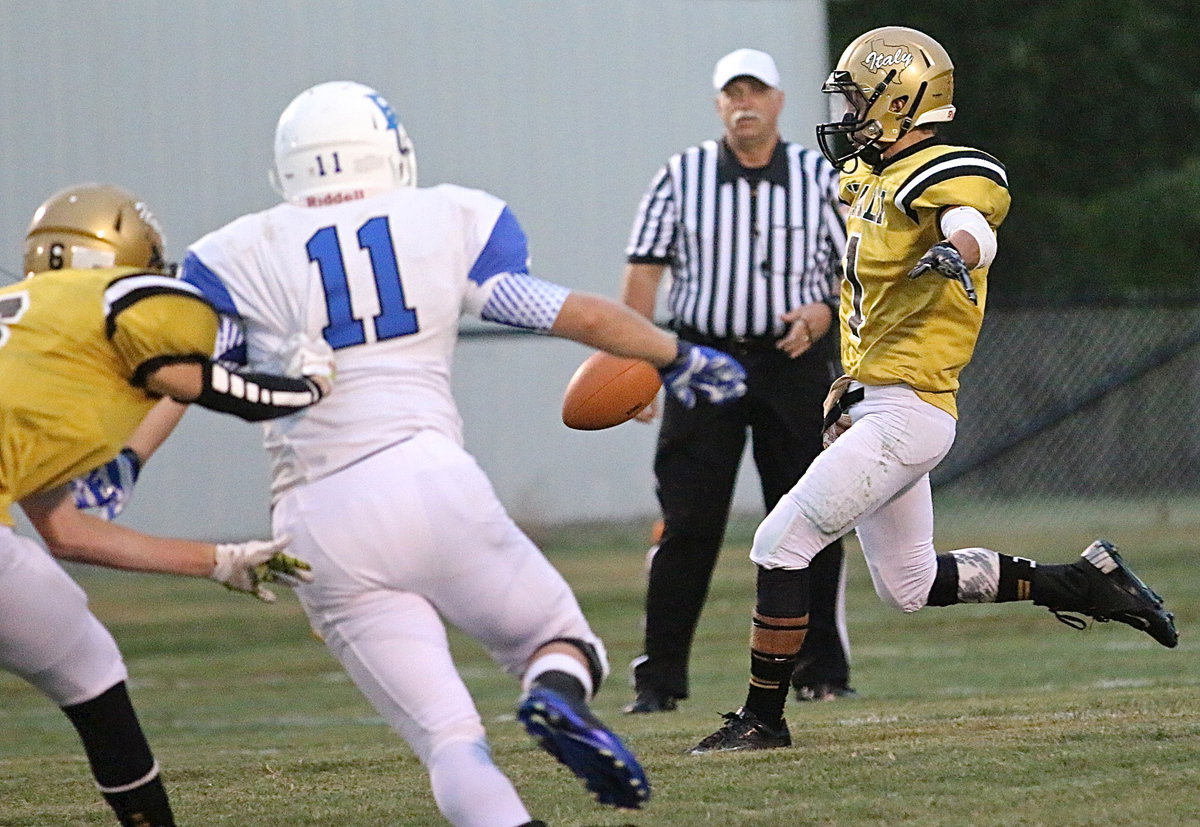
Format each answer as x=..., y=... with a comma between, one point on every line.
x=750, y=229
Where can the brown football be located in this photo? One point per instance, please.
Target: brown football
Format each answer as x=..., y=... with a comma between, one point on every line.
x=607, y=390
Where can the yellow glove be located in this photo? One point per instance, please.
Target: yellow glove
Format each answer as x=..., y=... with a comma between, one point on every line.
x=244, y=567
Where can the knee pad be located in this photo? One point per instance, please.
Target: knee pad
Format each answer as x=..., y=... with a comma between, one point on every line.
x=906, y=602
x=788, y=536
x=782, y=592
x=91, y=666
x=465, y=735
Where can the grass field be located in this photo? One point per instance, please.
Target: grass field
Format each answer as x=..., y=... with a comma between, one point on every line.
x=973, y=715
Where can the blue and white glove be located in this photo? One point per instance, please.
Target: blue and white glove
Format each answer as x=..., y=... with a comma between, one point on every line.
x=717, y=376
x=104, y=491
x=944, y=259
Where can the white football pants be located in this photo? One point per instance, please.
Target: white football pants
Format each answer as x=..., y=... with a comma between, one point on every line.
x=398, y=541
x=874, y=478
x=47, y=634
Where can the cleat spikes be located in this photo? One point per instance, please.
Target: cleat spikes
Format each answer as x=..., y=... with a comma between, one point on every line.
x=568, y=731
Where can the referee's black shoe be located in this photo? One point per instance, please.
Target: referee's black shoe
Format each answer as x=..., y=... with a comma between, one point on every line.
x=651, y=700
x=821, y=690
x=1101, y=586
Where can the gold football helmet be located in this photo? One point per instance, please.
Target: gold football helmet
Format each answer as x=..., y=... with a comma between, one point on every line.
x=887, y=82
x=93, y=225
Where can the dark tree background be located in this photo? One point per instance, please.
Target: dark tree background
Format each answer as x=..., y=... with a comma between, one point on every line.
x=1094, y=108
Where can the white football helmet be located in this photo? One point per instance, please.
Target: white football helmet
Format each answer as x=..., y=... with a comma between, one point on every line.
x=340, y=141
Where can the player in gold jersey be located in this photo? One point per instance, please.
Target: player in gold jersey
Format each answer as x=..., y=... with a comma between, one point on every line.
x=88, y=343
x=921, y=236
x=916, y=331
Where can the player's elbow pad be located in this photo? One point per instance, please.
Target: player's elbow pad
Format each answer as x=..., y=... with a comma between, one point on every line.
x=254, y=397
x=971, y=220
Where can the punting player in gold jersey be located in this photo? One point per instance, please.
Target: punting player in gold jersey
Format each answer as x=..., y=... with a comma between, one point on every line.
x=921, y=237
x=95, y=335
x=913, y=330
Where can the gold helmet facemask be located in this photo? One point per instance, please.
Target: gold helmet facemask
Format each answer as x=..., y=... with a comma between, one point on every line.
x=889, y=81
x=93, y=225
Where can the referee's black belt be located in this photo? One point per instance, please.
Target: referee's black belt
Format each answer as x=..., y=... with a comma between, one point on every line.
x=733, y=345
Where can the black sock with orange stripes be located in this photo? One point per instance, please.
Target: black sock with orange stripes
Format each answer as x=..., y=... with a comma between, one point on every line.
x=780, y=624
x=770, y=674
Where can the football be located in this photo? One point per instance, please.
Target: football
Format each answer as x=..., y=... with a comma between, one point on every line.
x=607, y=390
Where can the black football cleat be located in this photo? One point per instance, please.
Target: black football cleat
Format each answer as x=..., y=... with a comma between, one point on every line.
x=811, y=682
x=568, y=731
x=1104, y=588
x=650, y=700
x=743, y=731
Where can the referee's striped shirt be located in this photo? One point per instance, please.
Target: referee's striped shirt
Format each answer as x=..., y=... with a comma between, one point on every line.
x=744, y=245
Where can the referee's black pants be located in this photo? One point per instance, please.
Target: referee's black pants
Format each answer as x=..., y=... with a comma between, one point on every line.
x=695, y=467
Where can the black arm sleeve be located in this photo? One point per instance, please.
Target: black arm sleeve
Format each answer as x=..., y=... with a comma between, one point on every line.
x=254, y=396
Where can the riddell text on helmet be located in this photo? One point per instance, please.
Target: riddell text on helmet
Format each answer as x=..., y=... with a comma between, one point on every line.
x=333, y=198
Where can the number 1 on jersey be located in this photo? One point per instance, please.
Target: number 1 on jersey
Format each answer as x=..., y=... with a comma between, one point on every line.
x=395, y=317
x=850, y=270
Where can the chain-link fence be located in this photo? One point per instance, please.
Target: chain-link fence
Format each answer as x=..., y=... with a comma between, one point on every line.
x=1098, y=402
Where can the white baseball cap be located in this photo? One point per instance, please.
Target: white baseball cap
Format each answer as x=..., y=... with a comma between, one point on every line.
x=741, y=62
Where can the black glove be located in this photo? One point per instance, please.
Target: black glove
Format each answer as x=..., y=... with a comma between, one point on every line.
x=944, y=259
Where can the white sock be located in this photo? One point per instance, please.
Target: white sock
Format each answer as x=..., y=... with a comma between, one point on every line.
x=559, y=662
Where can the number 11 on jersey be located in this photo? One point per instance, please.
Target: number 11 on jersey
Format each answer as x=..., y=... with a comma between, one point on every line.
x=395, y=317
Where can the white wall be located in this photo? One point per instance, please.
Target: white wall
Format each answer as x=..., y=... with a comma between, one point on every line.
x=565, y=108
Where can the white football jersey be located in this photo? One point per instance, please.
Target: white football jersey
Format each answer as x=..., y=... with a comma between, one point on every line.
x=384, y=281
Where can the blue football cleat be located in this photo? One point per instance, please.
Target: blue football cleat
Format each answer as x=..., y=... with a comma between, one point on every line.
x=567, y=730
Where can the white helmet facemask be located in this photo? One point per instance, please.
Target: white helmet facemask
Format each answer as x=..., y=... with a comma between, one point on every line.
x=340, y=141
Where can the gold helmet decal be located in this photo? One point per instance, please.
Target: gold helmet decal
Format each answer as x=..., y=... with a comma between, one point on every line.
x=887, y=82
x=93, y=225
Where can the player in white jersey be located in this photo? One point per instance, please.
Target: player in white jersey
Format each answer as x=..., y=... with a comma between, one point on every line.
x=374, y=487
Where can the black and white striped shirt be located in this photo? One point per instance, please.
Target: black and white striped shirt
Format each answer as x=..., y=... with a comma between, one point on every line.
x=744, y=245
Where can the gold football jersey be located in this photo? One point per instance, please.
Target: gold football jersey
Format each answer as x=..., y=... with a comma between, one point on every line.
x=920, y=332
x=74, y=347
